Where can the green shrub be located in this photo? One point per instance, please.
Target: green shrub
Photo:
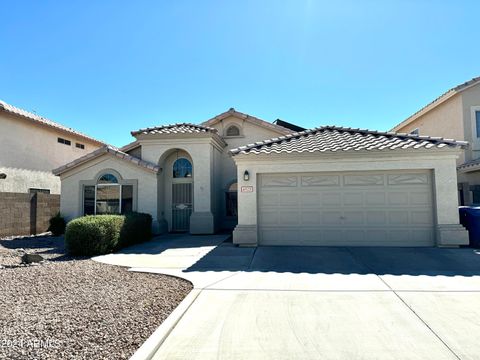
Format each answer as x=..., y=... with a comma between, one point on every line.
x=57, y=225
x=101, y=234
x=136, y=229
x=93, y=235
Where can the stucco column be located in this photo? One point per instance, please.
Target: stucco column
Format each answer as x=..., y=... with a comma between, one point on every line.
x=449, y=231
x=246, y=232
x=162, y=221
x=201, y=220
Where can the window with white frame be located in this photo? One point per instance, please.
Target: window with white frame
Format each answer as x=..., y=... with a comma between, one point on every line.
x=107, y=196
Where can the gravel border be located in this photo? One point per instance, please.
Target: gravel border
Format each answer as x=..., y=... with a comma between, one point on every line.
x=76, y=308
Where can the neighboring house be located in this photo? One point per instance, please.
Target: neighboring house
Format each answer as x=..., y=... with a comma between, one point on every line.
x=327, y=186
x=31, y=146
x=455, y=114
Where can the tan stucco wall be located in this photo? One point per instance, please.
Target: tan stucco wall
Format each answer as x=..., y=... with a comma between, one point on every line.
x=71, y=204
x=28, y=153
x=21, y=180
x=213, y=167
x=227, y=170
x=443, y=165
x=470, y=98
x=446, y=120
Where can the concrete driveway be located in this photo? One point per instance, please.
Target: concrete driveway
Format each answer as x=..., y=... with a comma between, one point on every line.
x=317, y=303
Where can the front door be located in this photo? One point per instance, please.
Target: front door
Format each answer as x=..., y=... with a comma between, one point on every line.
x=181, y=206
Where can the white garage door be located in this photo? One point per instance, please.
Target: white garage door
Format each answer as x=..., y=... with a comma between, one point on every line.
x=354, y=209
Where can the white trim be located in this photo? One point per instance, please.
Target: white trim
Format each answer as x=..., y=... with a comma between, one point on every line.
x=475, y=140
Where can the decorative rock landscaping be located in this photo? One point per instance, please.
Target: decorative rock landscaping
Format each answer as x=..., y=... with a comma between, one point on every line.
x=77, y=308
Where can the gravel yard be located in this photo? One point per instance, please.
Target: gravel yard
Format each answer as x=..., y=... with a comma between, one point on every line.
x=68, y=308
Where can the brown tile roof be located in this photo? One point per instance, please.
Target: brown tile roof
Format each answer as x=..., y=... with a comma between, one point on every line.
x=336, y=139
x=130, y=146
x=107, y=149
x=246, y=117
x=40, y=120
x=181, y=128
x=445, y=96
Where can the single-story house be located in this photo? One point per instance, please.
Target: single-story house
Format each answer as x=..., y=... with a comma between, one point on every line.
x=325, y=186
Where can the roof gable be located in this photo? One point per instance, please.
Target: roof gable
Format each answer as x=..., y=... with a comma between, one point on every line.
x=107, y=149
x=40, y=120
x=439, y=100
x=335, y=139
x=252, y=119
x=179, y=128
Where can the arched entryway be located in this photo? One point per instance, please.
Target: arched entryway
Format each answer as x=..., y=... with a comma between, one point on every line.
x=182, y=194
x=175, y=196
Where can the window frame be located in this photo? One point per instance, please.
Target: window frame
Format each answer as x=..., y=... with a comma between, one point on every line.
x=80, y=146
x=240, y=131
x=475, y=143
x=121, y=183
x=182, y=177
x=38, y=191
x=119, y=198
x=64, y=141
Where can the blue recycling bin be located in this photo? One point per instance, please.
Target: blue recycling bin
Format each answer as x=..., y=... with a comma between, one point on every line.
x=470, y=218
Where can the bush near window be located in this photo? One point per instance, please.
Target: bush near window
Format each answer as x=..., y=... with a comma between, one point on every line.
x=57, y=225
x=102, y=234
x=136, y=229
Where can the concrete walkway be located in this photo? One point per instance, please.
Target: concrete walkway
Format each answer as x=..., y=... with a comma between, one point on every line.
x=317, y=303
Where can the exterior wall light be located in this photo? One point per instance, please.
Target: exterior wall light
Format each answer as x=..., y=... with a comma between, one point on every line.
x=246, y=175
x=3, y=176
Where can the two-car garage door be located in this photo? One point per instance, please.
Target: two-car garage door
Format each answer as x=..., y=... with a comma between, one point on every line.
x=357, y=209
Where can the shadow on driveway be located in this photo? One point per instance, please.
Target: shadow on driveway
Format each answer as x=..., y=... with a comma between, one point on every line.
x=342, y=260
x=212, y=253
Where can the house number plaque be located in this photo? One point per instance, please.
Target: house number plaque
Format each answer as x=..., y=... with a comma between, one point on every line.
x=246, y=189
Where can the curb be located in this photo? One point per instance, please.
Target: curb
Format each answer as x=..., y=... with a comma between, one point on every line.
x=153, y=343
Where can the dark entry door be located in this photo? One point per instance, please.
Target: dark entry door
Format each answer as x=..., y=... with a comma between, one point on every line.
x=181, y=206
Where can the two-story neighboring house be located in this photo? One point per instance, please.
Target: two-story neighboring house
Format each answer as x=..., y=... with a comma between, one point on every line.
x=455, y=114
x=31, y=146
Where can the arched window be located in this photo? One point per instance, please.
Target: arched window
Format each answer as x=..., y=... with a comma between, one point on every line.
x=233, y=131
x=182, y=168
x=108, y=179
x=107, y=196
x=231, y=197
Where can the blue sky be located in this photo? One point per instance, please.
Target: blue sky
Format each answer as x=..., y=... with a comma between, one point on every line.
x=109, y=67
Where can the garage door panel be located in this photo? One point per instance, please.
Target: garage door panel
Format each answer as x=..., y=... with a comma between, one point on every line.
x=397, y=198
x=353, y=218
x=268, y=199
x=421, y=217
x=288, y=217
x=332, y=198
x=387, y=209
x=276, y=181
x=289, y=199
x=332, y=217
x=269, y=217
x=354, y=180
x=320, y=180
x=376, y=218
x=419, y=198
x=399, y=217
x=309, y=199
x=353, y=198
x=408, y=179
x=310, y=217
x=376, y=198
